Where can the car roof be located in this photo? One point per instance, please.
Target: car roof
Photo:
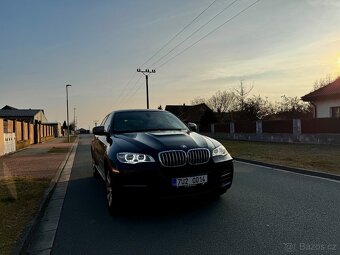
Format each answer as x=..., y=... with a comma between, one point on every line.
x=139, y=110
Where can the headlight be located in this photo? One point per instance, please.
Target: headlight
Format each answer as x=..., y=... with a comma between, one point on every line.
x=220, y=151
x=133, y=158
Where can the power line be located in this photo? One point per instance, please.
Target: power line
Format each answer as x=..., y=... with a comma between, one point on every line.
x=219, y=13
x=121, y=95
x=174, y=37
x=190, y=46
x=134, y=92
x=178, y=33
x=124, y=99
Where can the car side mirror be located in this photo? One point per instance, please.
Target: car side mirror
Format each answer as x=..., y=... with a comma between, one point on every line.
x=99, y=130
x=192, y=126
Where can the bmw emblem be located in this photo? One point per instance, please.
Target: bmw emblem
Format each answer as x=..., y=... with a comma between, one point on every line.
x=183, y=147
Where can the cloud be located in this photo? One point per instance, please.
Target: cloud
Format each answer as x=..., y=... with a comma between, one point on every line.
x=325, y=3
x=248, y=77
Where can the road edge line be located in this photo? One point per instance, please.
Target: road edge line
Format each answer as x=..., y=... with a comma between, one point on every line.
x=291, y=169
x=27, y=233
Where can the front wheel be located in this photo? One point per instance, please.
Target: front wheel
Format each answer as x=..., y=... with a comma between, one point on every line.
x=112, y=200
x=94, y=168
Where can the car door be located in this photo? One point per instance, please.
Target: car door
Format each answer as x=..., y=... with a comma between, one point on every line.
x=96, y=145
x=103, y=143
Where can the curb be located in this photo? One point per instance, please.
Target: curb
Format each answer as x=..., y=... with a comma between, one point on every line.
x=291, y=169
x=27, y=233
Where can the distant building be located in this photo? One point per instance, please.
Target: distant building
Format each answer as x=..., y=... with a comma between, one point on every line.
x=199, y=114
x=83, y=131
x=28, y=115
x=326, y=100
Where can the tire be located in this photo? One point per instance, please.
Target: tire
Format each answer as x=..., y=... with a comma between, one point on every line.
x=111, y=198
x=94, y=169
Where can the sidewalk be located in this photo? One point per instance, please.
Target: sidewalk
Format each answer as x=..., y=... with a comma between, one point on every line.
x=35, y=161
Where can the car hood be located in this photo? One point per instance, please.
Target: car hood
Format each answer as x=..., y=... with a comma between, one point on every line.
x=162, y=140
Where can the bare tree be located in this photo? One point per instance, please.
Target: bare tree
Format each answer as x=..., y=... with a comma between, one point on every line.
x=222, y=101
x=288, y=104
x=242, y=93
x=254, y=108
x=323, y=82
x=198, y=100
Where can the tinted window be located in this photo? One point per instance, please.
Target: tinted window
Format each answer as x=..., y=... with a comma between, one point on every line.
x=107, y=122
x=145, y=121
x=103, y=122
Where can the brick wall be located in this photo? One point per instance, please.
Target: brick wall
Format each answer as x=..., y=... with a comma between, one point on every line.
x=18, y=130
x=31, y=133
x=25, y=131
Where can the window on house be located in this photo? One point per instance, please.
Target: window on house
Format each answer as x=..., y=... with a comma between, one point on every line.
x=336, y=112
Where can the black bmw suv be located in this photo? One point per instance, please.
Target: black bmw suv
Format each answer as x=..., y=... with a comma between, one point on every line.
x=152, y=152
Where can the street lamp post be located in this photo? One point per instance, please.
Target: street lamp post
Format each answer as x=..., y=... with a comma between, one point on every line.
x=74, y=119
x=68, y=122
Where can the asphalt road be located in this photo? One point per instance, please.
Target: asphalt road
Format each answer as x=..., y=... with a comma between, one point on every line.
x=265, y=212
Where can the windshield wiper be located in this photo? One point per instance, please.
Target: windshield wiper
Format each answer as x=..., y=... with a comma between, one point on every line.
x=150, y=129
x=164, y=129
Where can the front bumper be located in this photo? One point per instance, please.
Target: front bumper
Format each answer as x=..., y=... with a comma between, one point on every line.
x=152, y=179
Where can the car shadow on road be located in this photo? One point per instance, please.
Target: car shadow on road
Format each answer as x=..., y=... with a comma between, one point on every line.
x=136, y=206
x=154, y=208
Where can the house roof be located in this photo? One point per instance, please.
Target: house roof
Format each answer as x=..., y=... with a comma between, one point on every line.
x=329, y=91
x=176, y=109
x=7, y=107
x=188, y=113
x=11, y=112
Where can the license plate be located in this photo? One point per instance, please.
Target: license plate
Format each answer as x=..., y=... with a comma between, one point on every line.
x=189, y=181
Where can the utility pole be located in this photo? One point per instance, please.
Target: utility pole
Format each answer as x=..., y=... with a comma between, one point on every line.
x=146, y=72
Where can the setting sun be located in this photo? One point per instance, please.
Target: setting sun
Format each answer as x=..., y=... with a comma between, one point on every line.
x=338, y=61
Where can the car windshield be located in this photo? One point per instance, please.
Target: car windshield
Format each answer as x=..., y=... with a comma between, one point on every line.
x=139, y=121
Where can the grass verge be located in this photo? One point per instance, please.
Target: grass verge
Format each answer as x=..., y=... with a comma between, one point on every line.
x=323, y=158
x=19, y=200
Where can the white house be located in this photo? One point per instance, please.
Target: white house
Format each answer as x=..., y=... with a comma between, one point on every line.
x=326, y=100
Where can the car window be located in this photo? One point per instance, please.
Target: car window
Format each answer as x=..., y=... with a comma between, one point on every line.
x=108, y=122
x=103, y=122
x=144, y=121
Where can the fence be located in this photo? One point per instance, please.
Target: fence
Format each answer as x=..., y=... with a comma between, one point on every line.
x=324, y=125
x=9, y=143
x=245, y=127
x=23, y=134
x=318, y=131
x=277, y=126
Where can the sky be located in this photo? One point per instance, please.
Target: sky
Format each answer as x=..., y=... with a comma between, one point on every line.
x=280, y=46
